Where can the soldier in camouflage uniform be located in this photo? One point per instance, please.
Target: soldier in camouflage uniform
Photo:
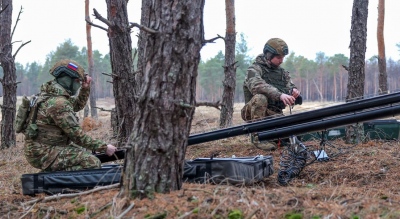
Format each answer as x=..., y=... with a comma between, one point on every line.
x=267, y=87
x=54, y=140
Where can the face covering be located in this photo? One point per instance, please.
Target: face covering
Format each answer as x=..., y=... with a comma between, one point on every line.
x=69, y=84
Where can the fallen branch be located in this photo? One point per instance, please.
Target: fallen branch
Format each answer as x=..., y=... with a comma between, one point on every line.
x=126, y=211
x=28, y=211
x=49, y=198
x=100, y=209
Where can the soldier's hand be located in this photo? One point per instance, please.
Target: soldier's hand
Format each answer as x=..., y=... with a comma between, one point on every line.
x=111, y=149
x=86, y=82
x=295, y=93
x=287, y=99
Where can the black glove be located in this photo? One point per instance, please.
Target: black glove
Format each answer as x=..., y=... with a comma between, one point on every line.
x=299, y=100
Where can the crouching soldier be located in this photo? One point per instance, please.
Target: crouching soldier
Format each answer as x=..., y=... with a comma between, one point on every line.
x=54, y=140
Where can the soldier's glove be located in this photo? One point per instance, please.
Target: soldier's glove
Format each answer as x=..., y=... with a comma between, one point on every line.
x=299, y=100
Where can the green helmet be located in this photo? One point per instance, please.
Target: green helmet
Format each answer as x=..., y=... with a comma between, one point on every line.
x=68, y=67
x=276, y=46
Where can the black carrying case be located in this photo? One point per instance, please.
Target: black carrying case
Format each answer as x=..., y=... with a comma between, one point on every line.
x=70, y=181
x=237, y=171
x=241, y=170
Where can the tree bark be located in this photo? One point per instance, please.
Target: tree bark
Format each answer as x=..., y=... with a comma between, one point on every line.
x=165, y=101
x=383, y=85
x=93, y=94
x=358, y=42
x=121, y=65
x=229, y=83
x=8, y=109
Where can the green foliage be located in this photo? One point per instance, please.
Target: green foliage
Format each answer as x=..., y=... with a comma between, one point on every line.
x=324, y=77
x=235, y=214
x=293, y=215
x=157, y=216
x=80, y=209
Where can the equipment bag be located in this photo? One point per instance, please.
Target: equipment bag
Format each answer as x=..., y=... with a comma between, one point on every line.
x=70, y=181
x=22, y=115
x=240, y=170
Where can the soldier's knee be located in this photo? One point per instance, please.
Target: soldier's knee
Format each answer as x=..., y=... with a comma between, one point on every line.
x=91, y=162
x=260, y=99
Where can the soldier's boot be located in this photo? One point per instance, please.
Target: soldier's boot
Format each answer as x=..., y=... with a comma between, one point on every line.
x=265, y=145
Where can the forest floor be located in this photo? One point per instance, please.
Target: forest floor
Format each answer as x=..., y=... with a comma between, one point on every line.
x=360, y=182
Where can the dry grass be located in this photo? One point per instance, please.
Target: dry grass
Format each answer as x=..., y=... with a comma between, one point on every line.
x=360, y=183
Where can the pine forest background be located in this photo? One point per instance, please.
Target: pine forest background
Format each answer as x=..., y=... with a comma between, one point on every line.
x=321, y=79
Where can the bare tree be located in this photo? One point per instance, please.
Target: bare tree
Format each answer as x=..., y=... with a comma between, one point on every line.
x=229, y=83
x=358, y=46
x=169, y=53
x=8, y=109
x=119, y=30
x=383, y=85
x=93, y=109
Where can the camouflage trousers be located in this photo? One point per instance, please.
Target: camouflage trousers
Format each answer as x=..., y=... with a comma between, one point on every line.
x=257, y=108
x=59, y=158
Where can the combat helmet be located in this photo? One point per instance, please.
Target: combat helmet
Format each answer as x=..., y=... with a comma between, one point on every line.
x=67, y=67
x=276, y=46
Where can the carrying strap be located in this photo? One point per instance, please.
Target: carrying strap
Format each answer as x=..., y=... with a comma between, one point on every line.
x=35, y=103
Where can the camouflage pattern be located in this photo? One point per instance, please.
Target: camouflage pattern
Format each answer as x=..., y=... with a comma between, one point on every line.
x=60, y=143
x=262, y=89
x=276, y=46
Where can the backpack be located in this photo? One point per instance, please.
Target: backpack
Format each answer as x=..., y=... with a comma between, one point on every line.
x=22, y=115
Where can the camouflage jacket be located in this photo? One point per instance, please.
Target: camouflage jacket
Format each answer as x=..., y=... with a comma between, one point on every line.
x=262, y=78
x=58, y=125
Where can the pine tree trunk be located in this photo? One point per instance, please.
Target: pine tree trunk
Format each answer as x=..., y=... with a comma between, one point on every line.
x=358, y=41
x=229, y=83
x=165, y=104
x=8, y=109
x=119, y=35
x=93, y=109
x=383, y=85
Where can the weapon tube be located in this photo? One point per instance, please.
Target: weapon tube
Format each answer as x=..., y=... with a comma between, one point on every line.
x=322, y=124
x=269, y=125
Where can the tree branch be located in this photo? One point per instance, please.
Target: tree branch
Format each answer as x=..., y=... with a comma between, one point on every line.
x=144, y=28
x=213, y=39
x=102, y=109
x=210, y=104
x=95, y=25
x=16, y=22
x=101, y=18
x=111, y=75
x=19, y=48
